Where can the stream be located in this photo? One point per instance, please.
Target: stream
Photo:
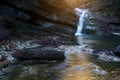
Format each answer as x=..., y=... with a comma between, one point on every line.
x=59, y=39
x=78, y=65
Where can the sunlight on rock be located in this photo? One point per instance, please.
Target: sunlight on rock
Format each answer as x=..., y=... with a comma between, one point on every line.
x=73, y=3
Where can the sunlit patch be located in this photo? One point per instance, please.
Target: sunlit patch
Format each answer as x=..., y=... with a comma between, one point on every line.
x=78, y=66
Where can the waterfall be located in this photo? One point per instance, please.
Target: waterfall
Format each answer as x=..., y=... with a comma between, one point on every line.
x=81, y=13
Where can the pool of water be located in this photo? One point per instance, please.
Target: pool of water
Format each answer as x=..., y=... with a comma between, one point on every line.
x=100, y=42
x=77, y=66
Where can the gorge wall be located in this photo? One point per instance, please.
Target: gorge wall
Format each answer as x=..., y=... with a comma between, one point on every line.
x=57, y=17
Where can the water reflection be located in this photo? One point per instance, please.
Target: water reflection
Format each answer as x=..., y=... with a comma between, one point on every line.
x=106, y=42
x=24, y=71
x=78, y=65
x=77, y=68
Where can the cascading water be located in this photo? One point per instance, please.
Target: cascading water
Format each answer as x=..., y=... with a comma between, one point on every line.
x=81, y=13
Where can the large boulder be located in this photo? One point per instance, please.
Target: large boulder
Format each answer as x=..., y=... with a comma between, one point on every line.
x=38, y=54
x=58, y=15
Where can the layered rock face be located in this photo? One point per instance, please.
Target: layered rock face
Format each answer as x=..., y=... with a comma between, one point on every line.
x=34, y=16
x=57, y=16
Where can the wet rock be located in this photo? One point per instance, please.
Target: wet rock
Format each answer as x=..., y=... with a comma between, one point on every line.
x=2, y=61
x=34, y=12
x=58, y=19
x=28, y=71
x=37, y=54
x=2, y=58
x=117, y=51
x=6, y=70
x=105, y=55
x=99, y=71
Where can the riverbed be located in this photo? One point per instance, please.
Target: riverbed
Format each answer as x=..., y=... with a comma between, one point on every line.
x=78, y=65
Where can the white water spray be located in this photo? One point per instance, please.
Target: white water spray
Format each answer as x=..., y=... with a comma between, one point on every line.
x=81, y=13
